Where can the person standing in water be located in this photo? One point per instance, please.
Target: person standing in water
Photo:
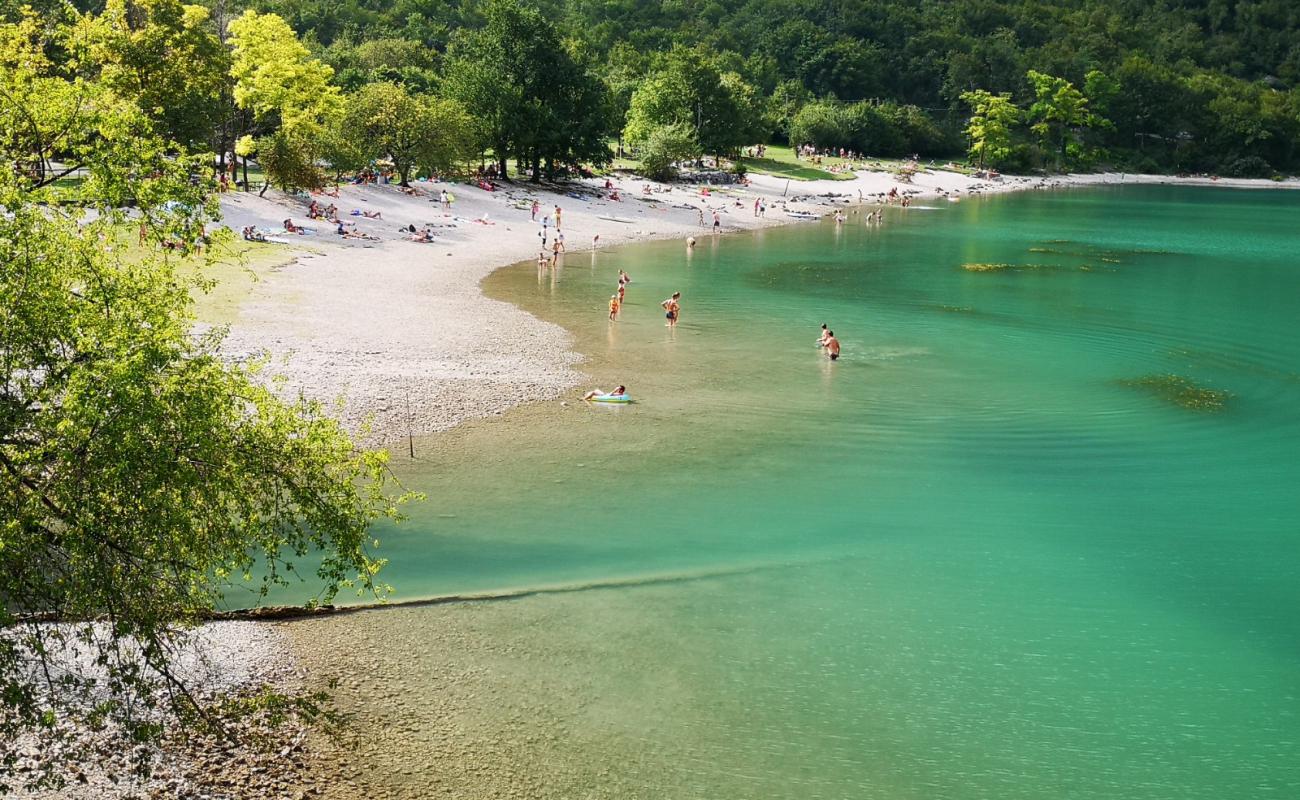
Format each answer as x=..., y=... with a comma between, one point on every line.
x=673, y=308
x=832, y=346
x=826, y=334
x=614, y=306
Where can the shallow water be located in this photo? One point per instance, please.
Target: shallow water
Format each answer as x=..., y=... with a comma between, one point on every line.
x=1034, y=535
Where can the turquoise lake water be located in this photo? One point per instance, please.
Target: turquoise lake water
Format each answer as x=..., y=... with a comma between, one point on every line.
x=1036, y=534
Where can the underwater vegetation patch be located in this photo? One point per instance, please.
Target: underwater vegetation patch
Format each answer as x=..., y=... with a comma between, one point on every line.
x=1180, y=391
x=981, y=267
x=1000, y=267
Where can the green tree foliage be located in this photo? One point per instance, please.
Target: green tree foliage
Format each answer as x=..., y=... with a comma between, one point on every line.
x=920, y=134
x=140, y=473
x=665, y=146
x=531, y=96
x=164, y=56
x=289, y=94
x=50, y=114
x=1058, y=115
x=1168, y=61
x=821, y=124
x=383, y=120
x=456, y=138
x=723, y=111
x=992, y=121
x=871, y=130
x=877, y=128
x=786, y=101
x=391, y=60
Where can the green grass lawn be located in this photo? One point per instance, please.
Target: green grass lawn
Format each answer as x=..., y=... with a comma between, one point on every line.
x=230, y=268
x=235, y=267
x=781, y=163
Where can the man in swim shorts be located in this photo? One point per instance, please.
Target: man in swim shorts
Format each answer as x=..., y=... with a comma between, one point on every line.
x=832, y=346
x=672, y=307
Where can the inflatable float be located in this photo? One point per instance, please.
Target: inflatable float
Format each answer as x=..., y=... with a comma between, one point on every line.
x=611, y=398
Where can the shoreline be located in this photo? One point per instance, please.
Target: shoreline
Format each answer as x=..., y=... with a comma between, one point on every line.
x=371, y=327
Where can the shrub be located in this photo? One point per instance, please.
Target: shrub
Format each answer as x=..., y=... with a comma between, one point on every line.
x=871, y=131
x=820, y=124
x=1246, y=167
x=665, y=146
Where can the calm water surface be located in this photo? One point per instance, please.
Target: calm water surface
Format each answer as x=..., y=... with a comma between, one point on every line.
x=1035, y=535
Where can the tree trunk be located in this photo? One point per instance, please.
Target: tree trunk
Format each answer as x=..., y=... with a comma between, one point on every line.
x=247, y=188
x=403, y=172
x=265, y=185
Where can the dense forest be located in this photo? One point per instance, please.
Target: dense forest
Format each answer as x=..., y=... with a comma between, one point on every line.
x=1207, y=86
x=1196, y=85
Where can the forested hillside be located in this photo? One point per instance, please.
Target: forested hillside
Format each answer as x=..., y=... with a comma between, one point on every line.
x=1191, y=86
x=1199, y=85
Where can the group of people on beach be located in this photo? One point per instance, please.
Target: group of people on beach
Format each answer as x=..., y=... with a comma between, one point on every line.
x=557, y=244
